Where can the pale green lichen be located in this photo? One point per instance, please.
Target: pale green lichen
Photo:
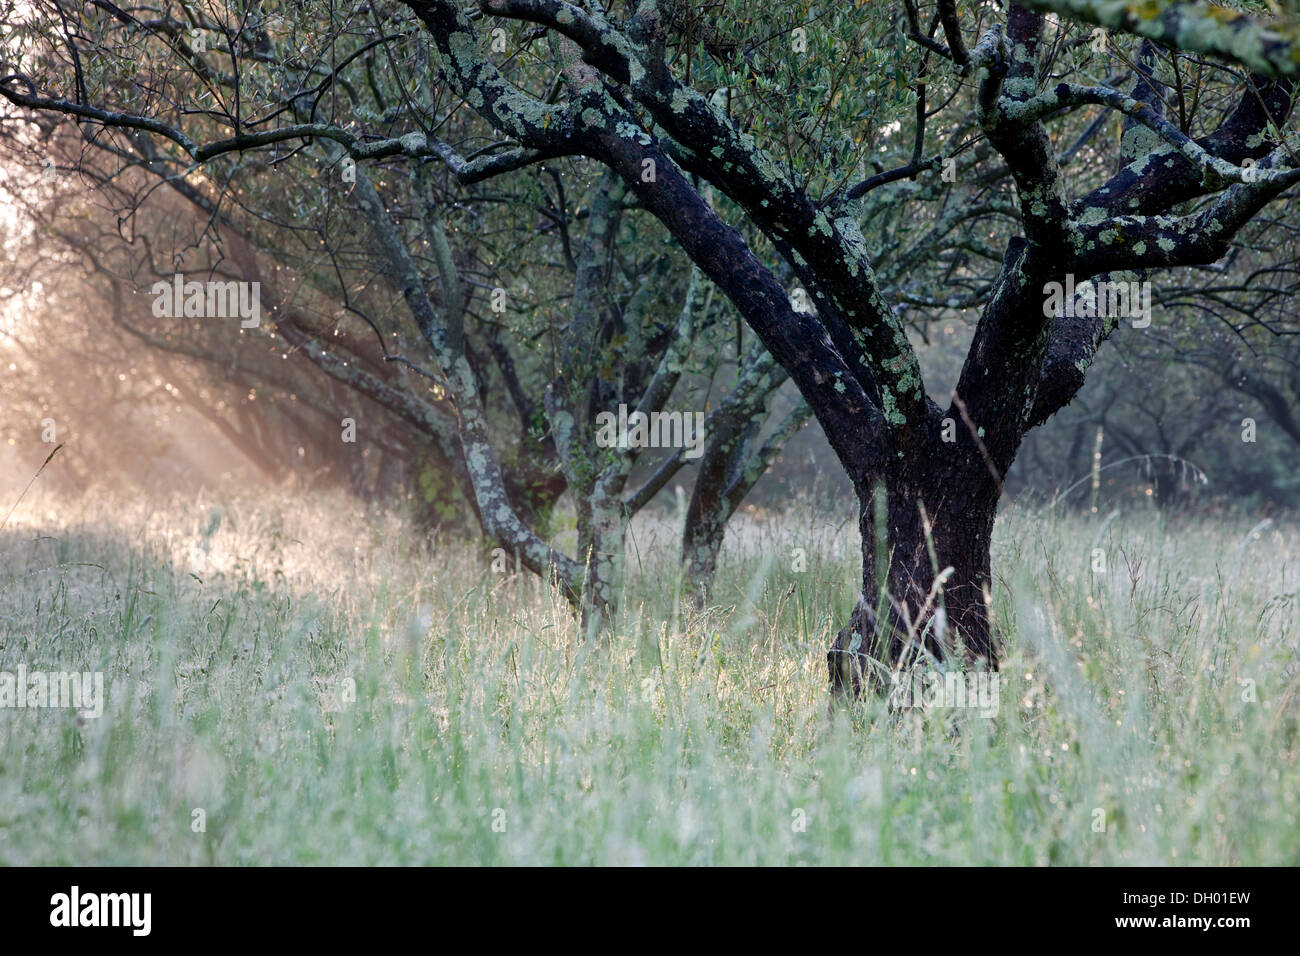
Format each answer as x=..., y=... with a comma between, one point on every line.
x=821, y=224
x=1092, y=215
x=890, y=408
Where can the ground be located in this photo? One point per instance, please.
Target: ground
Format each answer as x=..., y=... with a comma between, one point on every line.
x=292, y=682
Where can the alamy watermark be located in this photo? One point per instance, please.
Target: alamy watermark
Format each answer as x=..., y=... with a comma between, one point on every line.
x=208, y=300
x=24, y=689
x=1087, y=300
x=978, y=690
x=75, y=908
x=655, y=430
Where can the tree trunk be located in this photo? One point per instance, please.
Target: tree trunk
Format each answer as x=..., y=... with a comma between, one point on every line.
x=731, y=466
x=602, y=532
x=707, y=514
x=932, y=522
x=701, y=543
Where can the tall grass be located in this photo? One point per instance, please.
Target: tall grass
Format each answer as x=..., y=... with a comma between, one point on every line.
x=326, y=690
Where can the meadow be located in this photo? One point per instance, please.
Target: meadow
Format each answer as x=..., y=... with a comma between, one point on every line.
x=306, y=681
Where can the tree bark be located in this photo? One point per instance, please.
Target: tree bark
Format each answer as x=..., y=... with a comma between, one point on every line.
x=602, y=533
x=729, y=469
x=932, y=524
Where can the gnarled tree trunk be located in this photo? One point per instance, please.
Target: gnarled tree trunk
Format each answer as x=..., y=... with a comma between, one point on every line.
x=932, y=524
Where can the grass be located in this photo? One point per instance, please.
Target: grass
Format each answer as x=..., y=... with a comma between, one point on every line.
x=326, y=691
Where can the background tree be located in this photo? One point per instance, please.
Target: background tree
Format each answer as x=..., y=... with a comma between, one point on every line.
x=288, y=233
